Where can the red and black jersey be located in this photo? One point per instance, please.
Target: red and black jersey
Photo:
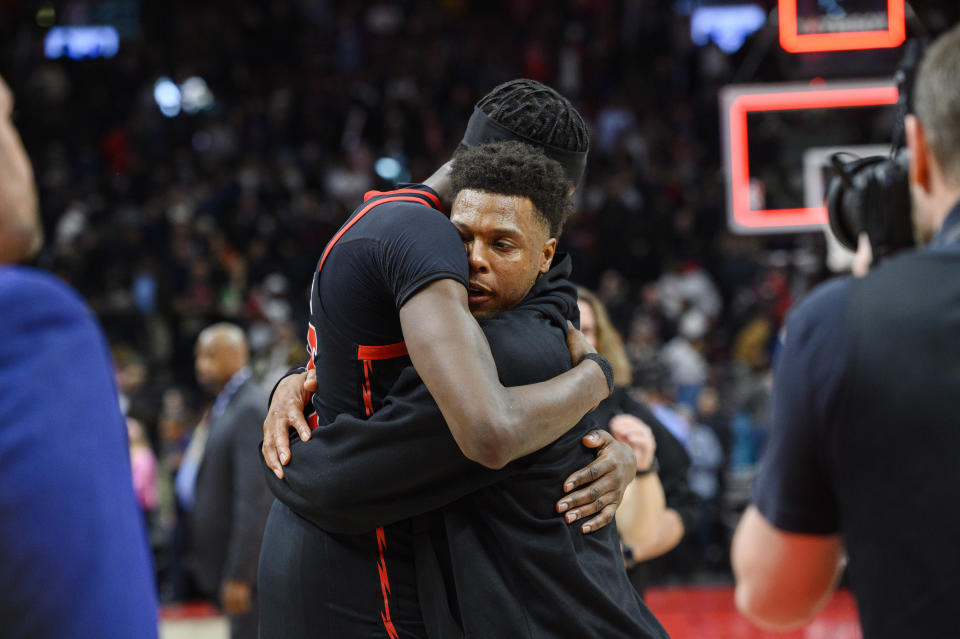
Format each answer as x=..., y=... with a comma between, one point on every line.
x=392, y=246
x=493, y=558
x=315, y=583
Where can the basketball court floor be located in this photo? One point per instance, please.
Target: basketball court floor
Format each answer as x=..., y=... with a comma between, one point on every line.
x=686, y=613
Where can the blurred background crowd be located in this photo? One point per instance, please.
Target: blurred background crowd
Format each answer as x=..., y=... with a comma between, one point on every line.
x=171, y=205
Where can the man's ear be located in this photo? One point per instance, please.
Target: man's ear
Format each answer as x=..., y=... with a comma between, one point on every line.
x=919, y=150
x=546, y=257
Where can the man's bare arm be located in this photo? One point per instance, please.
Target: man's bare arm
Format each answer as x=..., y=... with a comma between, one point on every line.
x=491, y=424
x=640, y=511
x=20, y=232
x=783, y=578
x=668, y=533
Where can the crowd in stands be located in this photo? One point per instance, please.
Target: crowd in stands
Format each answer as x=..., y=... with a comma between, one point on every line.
x=168, y=224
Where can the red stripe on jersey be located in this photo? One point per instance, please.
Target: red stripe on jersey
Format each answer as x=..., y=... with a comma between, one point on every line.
x=312, y=339
x=367, y=393
x=387, y=351
x=385, y=586
x=311, y=346
x=427, y=194
x=364, y=211
x=314, y=421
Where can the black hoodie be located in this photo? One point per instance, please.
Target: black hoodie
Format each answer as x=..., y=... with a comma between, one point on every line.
x=512, y=566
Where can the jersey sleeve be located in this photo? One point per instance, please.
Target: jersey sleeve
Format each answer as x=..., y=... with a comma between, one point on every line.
x=793, y=489
x=422, y=247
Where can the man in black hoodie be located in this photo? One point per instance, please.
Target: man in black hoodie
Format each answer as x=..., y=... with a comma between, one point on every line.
x=493, y=558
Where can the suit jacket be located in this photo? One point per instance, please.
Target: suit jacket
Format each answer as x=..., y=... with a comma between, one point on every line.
x=231, y=497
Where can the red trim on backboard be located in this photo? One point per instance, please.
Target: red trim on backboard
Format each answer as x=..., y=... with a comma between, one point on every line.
x=746, y=103
x=795, y=42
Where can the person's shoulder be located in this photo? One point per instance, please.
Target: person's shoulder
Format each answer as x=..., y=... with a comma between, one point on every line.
x=526, y=346
x=824, y=307
x=816, y=343
x=824, y=298
x=26, y=290
x=511, y=324
x=403, y=205
x=405, y=225
x=415, y=217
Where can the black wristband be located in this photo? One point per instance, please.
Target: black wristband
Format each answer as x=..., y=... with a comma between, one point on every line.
x=654, y=467
x=604, y=366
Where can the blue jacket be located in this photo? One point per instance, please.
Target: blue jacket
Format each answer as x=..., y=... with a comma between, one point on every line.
x=74, y=561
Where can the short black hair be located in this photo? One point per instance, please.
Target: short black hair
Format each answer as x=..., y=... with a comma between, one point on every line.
x=510, y=167
x=538, y=112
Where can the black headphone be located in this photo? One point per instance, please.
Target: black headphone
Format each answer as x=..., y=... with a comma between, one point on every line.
x=871, y=195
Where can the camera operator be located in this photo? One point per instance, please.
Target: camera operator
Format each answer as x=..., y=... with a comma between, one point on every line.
x=863, y=455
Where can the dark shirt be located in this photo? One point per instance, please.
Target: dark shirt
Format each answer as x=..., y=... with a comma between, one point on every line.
x=74, y=560
x=864, y=436
x=792, y=489
x=393, y=245
x=517, y=569
x=386, y=257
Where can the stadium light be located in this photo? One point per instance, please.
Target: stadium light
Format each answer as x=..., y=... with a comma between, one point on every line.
x=78, y=43
x=388, y=168
x=727, y=25
x=167, y=96
x=196, y=95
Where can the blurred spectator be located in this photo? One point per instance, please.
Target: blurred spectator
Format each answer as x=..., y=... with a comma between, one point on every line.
x=143, y=464
x=136, y=399
x=219, y=482
x=170, y=525
x=682, y=355
x=622, y=415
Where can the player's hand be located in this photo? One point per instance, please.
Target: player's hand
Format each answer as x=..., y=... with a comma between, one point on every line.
x=578, y=344
x=635, y=433
x=6, y=99
x=601, y=484
x=235, y=596
x=286, y=412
